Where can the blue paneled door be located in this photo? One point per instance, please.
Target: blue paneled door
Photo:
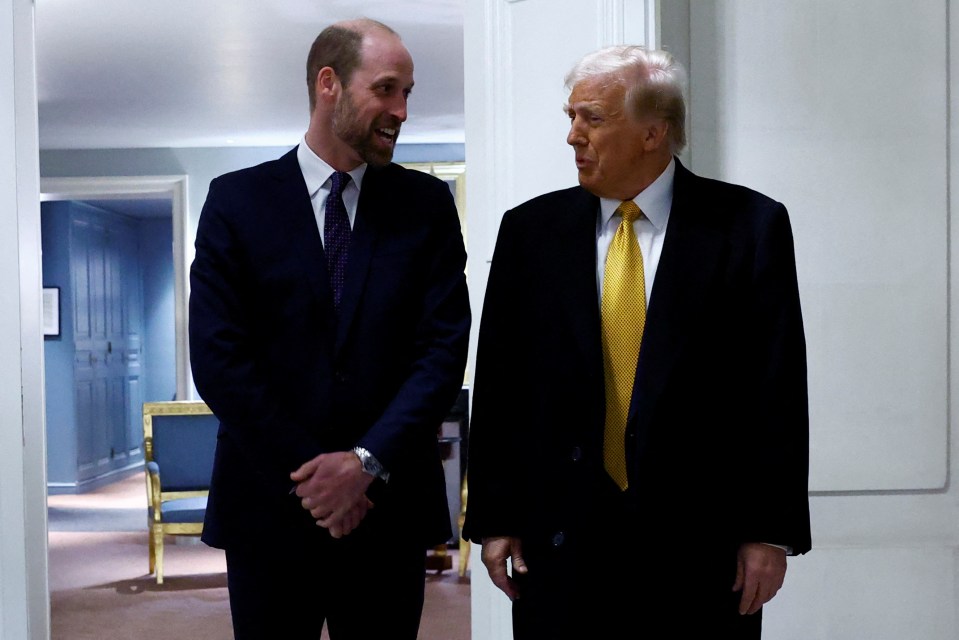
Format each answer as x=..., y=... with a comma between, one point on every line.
x=108, y=319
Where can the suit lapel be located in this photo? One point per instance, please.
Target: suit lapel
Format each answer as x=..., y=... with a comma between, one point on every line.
x=572, y=252
x=294, y=199
x=691, y=250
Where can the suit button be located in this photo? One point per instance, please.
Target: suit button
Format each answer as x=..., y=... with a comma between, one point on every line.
x=577, y=454
x=558, y=538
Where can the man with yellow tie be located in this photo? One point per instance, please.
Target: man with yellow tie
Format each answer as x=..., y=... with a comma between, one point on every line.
x=639, y=438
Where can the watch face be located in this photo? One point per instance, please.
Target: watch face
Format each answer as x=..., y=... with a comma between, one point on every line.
x=366, y=461
x=369, y=464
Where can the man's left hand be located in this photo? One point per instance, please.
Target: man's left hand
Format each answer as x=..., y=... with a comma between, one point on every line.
x=332, y=488
x=760, y=571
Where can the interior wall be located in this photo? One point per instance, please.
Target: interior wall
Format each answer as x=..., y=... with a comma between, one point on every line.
x=58, y=352
x=159, y=339
x=795, y=99
x=842, y=111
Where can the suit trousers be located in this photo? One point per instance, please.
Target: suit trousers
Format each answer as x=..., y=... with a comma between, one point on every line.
x=610, y=579
x=364, y=585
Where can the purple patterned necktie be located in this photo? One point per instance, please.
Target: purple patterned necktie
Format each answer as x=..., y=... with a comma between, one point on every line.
x=336, y=235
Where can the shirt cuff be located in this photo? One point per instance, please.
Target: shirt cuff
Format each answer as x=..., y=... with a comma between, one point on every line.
x=787, y=549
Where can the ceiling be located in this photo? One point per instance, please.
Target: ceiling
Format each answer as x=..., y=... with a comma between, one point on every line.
x=212, y=73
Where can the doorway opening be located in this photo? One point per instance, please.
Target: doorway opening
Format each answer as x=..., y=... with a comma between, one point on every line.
x=114, y=251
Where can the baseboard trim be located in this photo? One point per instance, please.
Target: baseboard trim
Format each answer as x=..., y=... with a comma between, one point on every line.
x=90, y=484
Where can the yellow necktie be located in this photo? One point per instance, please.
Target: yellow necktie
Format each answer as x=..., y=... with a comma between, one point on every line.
x=623, y=318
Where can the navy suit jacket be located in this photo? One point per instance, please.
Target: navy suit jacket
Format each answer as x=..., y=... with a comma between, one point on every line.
x=288, y=379
x=717, y=436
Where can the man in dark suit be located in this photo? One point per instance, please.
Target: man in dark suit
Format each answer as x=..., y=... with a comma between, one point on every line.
x=639, y=436
x=329, y=321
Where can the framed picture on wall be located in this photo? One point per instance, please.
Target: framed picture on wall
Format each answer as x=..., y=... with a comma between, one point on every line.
x=51, y=312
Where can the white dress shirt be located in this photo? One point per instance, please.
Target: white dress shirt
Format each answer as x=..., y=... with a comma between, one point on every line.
x=655, y=202
x=318, y=176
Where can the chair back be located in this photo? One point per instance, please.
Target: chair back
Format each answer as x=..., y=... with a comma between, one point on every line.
x=180, y=436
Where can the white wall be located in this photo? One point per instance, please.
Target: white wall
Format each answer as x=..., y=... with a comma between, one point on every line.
x=809, y=102
x=841, y=111
x=24, y=609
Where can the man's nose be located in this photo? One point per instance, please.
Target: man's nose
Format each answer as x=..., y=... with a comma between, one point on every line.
x=398, y=108
x=575, y=137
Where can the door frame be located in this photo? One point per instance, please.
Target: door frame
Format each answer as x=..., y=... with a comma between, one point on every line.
x=134, y=187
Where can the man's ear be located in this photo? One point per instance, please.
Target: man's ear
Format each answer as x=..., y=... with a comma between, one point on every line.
x=655, y=137
x=328, y=85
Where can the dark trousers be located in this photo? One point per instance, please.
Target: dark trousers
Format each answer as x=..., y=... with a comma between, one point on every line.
x=609, y=579
x=363, y=586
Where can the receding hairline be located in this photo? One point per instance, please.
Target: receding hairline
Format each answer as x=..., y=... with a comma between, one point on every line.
x=365, y=27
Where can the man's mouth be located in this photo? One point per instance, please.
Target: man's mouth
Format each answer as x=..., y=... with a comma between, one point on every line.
x=388, y=134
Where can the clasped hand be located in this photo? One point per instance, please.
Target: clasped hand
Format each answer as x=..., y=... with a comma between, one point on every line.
x=332, y=487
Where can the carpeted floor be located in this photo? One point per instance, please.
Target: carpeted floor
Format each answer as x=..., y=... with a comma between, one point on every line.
x=100, y=589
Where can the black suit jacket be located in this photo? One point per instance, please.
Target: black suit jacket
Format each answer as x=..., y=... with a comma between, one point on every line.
x=717, y=437
x=289, y=380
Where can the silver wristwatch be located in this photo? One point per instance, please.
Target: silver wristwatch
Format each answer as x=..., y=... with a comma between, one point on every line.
x=371, y=465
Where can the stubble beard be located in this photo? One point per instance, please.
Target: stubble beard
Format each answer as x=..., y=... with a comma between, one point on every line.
x=360, y=138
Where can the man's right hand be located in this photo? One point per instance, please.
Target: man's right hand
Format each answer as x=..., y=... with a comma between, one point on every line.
x=496, y=550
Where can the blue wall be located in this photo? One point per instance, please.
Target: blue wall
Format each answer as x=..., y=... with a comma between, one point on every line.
x=159, y=330
x=59, y=352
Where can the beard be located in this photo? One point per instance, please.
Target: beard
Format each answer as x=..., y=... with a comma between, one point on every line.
x=361, y=138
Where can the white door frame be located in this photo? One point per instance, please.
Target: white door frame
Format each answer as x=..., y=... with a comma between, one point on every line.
x=135, y=187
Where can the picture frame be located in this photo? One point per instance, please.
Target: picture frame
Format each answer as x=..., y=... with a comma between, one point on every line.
x=51, y=312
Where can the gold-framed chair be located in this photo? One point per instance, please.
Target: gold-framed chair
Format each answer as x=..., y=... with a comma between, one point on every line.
x=179, y=439
x=464, y=558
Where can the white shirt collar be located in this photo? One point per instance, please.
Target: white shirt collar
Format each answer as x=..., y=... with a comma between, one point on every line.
x=316, y=172
x=655, y=200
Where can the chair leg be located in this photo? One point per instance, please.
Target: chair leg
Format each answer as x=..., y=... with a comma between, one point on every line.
x=158, y=543
x=464, y=557
x=464, y=545
x=153, y=551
